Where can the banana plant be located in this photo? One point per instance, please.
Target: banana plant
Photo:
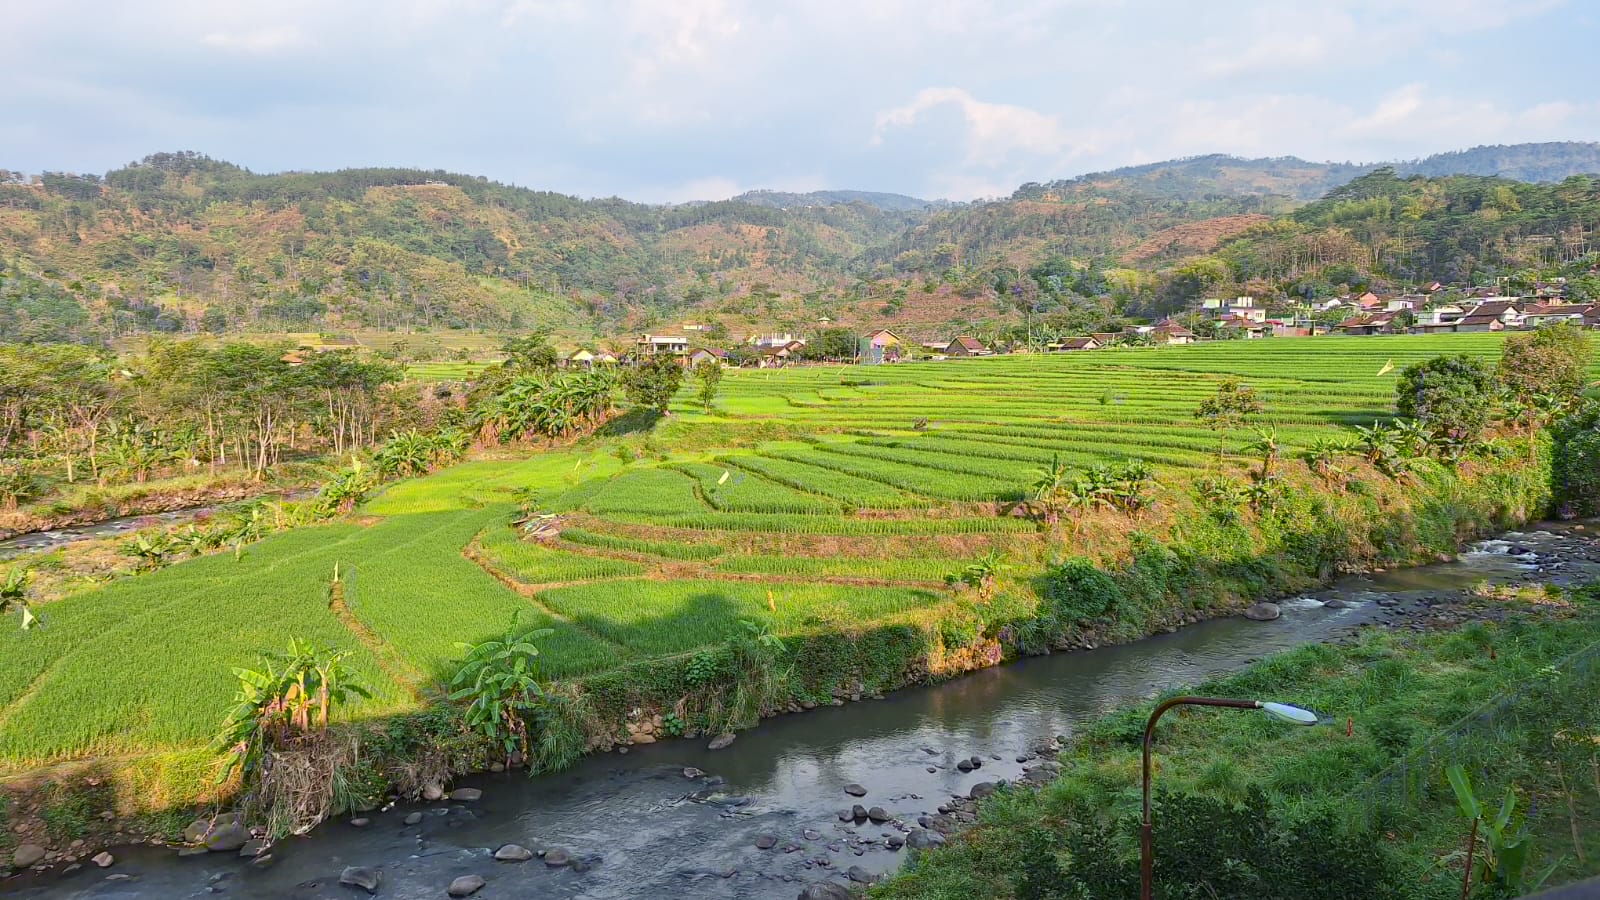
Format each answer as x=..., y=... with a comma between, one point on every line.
x=500, y=680
x=1499, y=847
x=14, y=595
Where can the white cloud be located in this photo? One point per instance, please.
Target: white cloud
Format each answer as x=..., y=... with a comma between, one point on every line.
x=258, y=40
x=995, y=131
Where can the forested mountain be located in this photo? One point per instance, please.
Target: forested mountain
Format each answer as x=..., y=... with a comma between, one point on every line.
x=1201, y=177
x=887, y=202
x=181, y=242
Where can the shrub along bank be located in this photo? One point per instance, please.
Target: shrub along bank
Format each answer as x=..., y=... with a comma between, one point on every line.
x=1360, y=806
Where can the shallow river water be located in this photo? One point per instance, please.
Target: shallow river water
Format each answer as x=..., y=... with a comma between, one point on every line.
x=645, y=832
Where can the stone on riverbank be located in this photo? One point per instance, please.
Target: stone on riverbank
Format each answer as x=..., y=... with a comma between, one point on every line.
x=466, y=886
x=26, y=855
x=103, y=859
x=860, y=875
x=227, y=837
x=922, y=839
x=981, y=790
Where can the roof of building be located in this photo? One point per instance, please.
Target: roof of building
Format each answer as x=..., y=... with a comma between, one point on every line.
x=1476, y=319
x=1078, y=343
x=968, y=343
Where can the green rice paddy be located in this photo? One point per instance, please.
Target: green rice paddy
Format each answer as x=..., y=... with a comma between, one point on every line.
x=665, y=555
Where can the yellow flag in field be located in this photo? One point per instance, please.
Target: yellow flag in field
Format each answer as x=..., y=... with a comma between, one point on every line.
x=771, y=603
x=724, y=478
x=1387, y=368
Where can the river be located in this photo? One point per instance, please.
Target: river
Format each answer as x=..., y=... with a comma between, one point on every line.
x=645, y=830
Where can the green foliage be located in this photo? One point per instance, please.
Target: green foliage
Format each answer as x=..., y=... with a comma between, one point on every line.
x=1575, y=463
x=1233, y=405
x=1079, y=591
x=652, y=383
x=1448, y=395
x=285, y=701
x=708, y=377
x=14, y=595
x=1504, y=847
x=499, y=679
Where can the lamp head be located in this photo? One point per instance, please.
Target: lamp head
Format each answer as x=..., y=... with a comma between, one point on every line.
x=1294, y=715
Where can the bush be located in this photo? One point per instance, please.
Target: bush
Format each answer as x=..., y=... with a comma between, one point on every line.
x=1575, y=462
x=1448, y=395
x=1076, y=591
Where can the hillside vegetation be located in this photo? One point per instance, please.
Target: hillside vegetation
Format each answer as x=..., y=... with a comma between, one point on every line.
x=179, y=242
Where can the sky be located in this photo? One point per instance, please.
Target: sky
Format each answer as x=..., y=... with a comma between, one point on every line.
x=677, y=100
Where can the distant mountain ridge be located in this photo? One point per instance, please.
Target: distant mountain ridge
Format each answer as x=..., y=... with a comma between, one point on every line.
x=883, y=201
x=1219, y=174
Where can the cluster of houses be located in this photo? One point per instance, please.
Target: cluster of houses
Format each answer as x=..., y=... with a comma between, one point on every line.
x=1237, y=317
x=1412, y=314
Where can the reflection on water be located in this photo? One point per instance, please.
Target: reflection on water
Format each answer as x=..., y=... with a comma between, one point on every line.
x=632, y=815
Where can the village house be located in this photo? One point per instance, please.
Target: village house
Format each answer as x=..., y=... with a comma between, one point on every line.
x=1372, y=323
x=657, y=344
x=1535, y=315
x=967, y=346
x=1248, y=328
x=767, y=341
x=578, y=359
x=1238, y=307
x=1169, y=332
x=1077, y=343
x=707, y=354
x=883, y=346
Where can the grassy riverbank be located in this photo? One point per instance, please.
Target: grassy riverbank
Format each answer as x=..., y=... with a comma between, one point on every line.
x=667, y=539
x=1357, y=806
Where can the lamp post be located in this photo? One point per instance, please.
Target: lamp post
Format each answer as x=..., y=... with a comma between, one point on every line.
x=1281, y=711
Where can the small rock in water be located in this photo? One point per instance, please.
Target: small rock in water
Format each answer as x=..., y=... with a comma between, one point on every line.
x=557, y=857
x=766, y=841
x=414, y=819
x=844, y=815
x=977, y=763
x=364, y=877
x=1334, y=603
x=826, y=890
x=513, y=853
x=878, y=815
x=964, y=766
x=860, y=875
x=932, y=770
x=466, y=795
x=104, y=860
x=922, y=839
x=720, y=741
x=858, y=812
x=981, y=790
x=252, y=849
x=895, y=841
x=360, y=822
x=855, y=790
x=691, y=772
x=433, y=792
x=466, y=886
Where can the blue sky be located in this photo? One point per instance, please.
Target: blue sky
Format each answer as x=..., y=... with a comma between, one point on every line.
x=700, y=99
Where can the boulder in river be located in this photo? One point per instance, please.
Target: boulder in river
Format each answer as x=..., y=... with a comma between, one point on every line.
x=196, y=832
x=466, y=886
x=858, y=812
x=466, y=795
x=860, y=875
x=855, y=790
x=692, y=773
x=103, y=859
x=414, y=819
x=1263, y=612
x=364, y=877
x=1334, y=603
x=964, y=765
x=556, y=857
x=766, y=841
x=981, y=790
x=513, y=853
x=922, y=839
x=721, y=741
x=227, y=837
x=878, y=815
x=253, y=848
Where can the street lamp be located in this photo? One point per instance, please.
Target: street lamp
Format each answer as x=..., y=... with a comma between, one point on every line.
x=1281, y=711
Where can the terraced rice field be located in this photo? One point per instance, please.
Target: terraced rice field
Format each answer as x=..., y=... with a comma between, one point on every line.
x=895, y=485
